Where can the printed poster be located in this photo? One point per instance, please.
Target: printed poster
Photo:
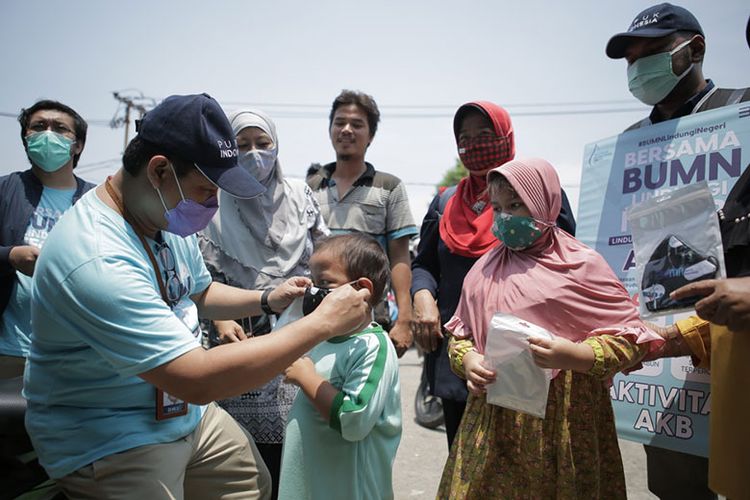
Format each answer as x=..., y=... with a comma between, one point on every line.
x=667, y=402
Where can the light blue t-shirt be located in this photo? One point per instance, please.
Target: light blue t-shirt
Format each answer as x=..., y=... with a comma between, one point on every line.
x=98, y=321
x=15, y=322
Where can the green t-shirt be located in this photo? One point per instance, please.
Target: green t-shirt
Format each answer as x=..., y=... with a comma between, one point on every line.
x=350, y=455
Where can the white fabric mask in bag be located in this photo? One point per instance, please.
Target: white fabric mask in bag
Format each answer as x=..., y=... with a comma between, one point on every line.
x=520, y=384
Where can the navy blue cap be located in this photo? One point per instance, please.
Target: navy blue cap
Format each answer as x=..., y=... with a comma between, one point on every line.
x=195, y=128
x=654, y=22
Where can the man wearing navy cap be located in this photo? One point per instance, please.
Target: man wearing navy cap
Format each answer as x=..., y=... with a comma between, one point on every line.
x=664, y=48
x=119, y=389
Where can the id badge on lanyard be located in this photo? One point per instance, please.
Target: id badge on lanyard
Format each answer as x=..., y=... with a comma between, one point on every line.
x=167, y=406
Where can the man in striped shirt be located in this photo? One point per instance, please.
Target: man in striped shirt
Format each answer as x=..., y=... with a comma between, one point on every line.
x=353, y=196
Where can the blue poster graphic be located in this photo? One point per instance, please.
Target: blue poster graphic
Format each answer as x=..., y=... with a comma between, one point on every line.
x=667, y=402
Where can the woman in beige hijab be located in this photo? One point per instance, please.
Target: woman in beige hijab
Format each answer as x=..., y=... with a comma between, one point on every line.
x=257, y=244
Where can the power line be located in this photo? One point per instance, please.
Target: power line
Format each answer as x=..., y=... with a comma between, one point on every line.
x=431, y=106
x=142, y=103
x=321, y=110
x=315, y=115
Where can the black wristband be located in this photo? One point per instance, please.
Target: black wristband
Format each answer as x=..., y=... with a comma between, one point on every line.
x=264, y=302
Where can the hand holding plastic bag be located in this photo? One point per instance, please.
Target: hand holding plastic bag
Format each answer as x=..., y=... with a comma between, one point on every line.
x=478, y=376
x=520, y=384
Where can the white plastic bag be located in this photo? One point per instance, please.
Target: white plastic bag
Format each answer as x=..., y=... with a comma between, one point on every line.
x=520, y=384
x=677, y=241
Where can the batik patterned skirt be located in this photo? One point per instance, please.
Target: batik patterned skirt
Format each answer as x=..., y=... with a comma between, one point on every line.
x=570, y=454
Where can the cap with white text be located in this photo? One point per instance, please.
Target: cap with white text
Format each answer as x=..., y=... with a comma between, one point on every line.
x=654, y=22
x=195, y=128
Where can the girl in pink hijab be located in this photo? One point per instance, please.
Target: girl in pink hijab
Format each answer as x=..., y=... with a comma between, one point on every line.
x=543, y=275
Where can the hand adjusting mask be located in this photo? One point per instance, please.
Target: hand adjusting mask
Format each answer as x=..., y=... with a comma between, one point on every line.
x=314, y=295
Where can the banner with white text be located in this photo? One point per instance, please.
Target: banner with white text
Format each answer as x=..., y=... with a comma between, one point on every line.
x=667, y=402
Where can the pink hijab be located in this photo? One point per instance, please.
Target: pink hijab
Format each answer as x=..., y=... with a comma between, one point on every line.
x=559, y=283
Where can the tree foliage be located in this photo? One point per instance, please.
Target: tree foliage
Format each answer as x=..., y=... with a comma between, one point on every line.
x=455, y=174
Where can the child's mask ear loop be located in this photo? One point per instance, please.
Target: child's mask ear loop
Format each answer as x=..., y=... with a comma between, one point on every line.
x=355, y=284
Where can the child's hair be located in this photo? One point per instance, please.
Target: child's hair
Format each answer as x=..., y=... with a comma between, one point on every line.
x=362, y=257
x=498, y=182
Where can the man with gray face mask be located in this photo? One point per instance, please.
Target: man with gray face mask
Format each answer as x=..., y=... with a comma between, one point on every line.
x=664, y=48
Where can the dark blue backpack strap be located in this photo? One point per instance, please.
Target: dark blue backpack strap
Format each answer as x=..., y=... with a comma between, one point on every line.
x=444, y=197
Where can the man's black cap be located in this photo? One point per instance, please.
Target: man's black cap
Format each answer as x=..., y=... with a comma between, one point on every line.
x=654, y=22
x=195, y=128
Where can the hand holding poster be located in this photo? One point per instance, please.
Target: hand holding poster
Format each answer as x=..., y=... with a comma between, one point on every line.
x=668, y=401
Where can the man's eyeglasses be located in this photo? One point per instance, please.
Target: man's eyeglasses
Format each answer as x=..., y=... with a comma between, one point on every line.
x=174, y=286
x=53, y=125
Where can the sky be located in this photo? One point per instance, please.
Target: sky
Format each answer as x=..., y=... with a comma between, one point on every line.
x=543, y=60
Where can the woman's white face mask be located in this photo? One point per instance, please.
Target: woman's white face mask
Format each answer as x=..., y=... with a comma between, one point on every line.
x=259, y=162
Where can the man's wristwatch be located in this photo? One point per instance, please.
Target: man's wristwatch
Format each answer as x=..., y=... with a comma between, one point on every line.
x=264, y=305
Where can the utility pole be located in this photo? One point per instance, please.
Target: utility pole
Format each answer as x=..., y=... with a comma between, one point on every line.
x=136, y=102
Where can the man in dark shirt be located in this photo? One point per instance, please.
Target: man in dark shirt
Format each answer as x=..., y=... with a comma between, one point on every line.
x=664, y=48
x=53, y=136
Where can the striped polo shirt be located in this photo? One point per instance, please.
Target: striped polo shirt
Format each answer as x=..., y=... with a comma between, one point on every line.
x=376, y=204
